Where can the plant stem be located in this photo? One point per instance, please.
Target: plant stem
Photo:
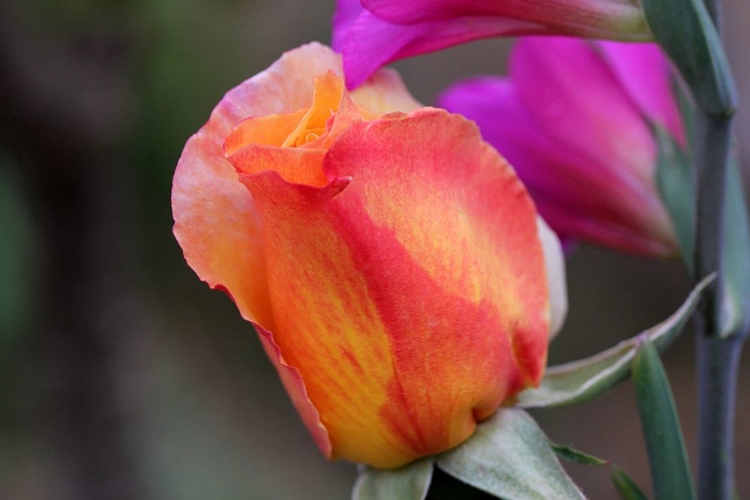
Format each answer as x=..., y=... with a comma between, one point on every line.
x=718, y=364
x=717, y=357
x=712, y=155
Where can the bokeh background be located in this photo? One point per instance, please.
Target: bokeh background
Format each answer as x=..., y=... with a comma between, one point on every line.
x=122, y=376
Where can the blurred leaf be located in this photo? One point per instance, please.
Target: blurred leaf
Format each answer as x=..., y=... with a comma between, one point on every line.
x=625, y=486
x=686, y=33
x=410, y=482
x=674, y=179
x=670, y=471
x=585, y=379
x=510, y=457
x=17, y=256
x=576, y=456
x=735, y=316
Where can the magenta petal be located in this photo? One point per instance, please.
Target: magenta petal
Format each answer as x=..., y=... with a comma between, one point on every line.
x=644, y=72
x=371, y=42
x=344, y=17
x=416, y=11
x=567, y=85
x=590, y=18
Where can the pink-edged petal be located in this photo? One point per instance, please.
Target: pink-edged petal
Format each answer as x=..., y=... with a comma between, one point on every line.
x=644, y=73
x=216, y=220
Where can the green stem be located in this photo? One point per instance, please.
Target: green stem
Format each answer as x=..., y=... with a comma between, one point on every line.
x=717, y=357
x=712, y=155
x=718, y=364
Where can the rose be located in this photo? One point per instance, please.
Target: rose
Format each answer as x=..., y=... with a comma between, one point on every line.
x=389, y=261
x=585, y=147
x=372, y=33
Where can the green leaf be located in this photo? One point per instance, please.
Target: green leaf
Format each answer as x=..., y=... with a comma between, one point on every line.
x=674, y=179
x=585, y=379
x=670, y=471
x=576, y=456
x=685, y=31
x=509, y=457
x=735, y=317
x=625, y=486
x=410, y=482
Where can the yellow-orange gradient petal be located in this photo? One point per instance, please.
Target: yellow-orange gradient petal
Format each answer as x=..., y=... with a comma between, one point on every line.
x=410, y=292
x=216, y=222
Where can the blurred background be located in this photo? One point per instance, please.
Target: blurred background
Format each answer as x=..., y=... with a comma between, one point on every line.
x=122, y=376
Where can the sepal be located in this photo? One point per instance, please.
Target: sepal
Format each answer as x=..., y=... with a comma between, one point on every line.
x=410, y=482
x=510, y=457
x=686, y=32
x=585, y=379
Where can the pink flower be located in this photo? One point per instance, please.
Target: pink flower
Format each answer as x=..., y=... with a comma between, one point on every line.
x=573, y=119
x=372, y=33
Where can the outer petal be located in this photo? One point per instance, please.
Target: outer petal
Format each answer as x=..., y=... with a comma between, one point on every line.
x=216, y=222
x=434, y=312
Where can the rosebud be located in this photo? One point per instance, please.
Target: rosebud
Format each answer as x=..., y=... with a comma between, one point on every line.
x=574, y=118
x=390, y=262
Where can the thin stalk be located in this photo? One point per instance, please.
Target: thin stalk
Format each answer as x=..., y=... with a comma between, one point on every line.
x=718, y=364
x=717, y=357
x=712, y=155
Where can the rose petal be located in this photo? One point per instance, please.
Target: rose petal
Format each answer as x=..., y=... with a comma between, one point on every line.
x=216, y=222
x=412, y=296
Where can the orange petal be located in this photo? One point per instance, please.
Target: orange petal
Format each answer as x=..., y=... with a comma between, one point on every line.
x=270, y=130
x=297, y=165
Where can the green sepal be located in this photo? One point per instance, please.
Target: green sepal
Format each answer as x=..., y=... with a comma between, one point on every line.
x=510, y=457
x=735, y=314
x=675, y=180
x=687, y=34
x=625, y=486
x=670, y=470
x=576, y=456
x=585, y=379
x=410, y=482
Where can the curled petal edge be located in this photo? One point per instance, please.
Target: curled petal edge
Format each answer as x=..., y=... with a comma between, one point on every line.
x=295, y=387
